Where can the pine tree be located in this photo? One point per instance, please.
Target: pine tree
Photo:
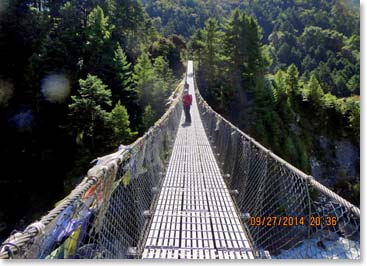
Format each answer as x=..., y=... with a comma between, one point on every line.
x=123, y=82
x=162, y=86
x=198, y=45
x=315, y=90
x=353, y=84
x=235, y=54
x=148, y=118
x=120, y=123
x=144, y=79
x=99, y=46
x=87, y=115
x=162, y=70
x=292, y=81
x=281, y=86
x=98, y=29
x=210, y=59
x=329, y=100
x=256, y=62
x=123, y=68
x=243, y=48
x=233, y=41
x=354, y=116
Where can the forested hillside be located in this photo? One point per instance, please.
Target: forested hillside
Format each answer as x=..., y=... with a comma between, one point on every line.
x=181, y=17
x=77, y=79
x=317, y=36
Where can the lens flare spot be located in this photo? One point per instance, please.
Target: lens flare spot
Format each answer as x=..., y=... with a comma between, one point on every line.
x=6, y=92
x=56, y=88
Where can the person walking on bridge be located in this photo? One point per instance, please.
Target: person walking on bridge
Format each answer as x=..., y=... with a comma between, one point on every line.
x=187, y=101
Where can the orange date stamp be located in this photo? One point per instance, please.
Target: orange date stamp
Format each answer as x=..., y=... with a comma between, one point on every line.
x=313, y=221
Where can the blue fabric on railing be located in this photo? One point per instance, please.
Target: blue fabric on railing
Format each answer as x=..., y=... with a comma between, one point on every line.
x=71, y=237
x=52, y=240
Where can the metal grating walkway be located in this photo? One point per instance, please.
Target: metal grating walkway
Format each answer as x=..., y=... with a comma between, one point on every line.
x=195, y=216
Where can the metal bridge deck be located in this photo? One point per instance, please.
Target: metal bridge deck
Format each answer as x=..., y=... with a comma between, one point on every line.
x=195, y=217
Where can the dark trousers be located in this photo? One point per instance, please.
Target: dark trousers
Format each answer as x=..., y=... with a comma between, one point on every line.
x=187, y=114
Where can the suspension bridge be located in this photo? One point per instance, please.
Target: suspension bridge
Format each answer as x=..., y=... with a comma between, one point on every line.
x=199, y=191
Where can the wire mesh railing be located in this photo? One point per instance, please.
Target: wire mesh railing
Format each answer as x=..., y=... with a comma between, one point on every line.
x=286, y=212
x=105, y=216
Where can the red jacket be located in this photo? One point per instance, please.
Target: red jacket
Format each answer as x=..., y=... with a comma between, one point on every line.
x=187, y=99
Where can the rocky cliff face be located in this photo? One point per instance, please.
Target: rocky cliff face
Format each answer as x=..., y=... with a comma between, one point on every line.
x=335, y=163
x=347, y=157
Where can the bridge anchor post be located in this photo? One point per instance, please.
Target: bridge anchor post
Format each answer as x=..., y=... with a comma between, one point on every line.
x=234, y=192
x=147, y=214
x=132, y=252
x=245, y=216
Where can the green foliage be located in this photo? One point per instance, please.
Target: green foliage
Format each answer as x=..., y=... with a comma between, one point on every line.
x=122, y=84
x=353, y=113
x=242, y=44
x=162, y=70
x=144, y=78
x=182, y=17
x=89, y=121
x=320, y=37
x=230, y=58
x=98, y=29
x=292, y=80
x=280, y=86
x=94, y=90
x=149, y=117
x=315, y=91
x=120, y=125
x=162, y=85
x=99, y=46
x=154, y=83
x=290, y=150
x=133, y=28
x=198, y=45
x=329, y=100
x=210, y=55
x=87, y=115
x=170, y=49
x=353, y=84
x=123, y=73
